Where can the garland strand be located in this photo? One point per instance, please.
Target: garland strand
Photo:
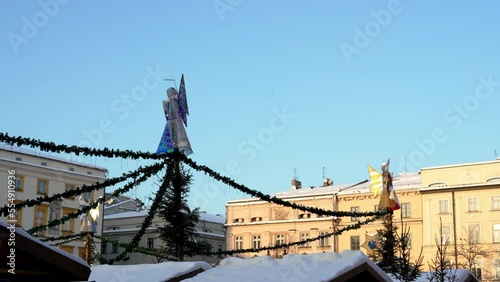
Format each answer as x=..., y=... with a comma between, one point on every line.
x=338, y=232
x=66, y=241
x=64, y=237
x=77, y=150
x=148, y=220
x=85, y=209
x=274, y=199
x=81, y=190
x=138, y=249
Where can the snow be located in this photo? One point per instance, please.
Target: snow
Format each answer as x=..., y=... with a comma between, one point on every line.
x=203, y=216
x=31, y=152
x=293, y=267
x=461, y=275
x=144, y=272
x=22, y=233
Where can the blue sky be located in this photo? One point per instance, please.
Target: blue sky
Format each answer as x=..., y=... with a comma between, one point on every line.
x=272, y=87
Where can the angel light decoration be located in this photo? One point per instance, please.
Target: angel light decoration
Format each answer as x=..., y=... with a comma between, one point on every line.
x=176, y=111
x=89, y=220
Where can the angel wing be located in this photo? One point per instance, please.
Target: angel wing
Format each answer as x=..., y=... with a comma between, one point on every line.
x=183, y=105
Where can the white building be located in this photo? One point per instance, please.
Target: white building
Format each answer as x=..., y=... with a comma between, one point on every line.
x=38, y=174
x=124, y=217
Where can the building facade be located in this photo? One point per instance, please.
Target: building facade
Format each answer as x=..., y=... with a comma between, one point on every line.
x=38, y=174
x=124, y=217
x=465, y=198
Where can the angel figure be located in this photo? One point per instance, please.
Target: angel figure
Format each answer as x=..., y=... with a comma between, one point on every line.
x=176, y=111
x=89, y=220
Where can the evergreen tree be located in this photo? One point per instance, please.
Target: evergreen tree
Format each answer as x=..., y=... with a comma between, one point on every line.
x=383, y=255
x=407, y=270
x=179, y=236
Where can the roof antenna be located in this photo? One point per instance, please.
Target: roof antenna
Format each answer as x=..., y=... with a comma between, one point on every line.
x=295, y=174
x=171, y=79
x=324, y=172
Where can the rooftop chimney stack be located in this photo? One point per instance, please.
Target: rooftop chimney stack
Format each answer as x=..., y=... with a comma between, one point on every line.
x=327, y=182
x=296, y=184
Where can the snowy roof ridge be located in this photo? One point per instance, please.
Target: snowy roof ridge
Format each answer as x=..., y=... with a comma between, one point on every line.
x=44, y=155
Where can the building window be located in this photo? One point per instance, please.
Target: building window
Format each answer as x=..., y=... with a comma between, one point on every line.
x=495, y=203
x=256, y=219
x=280, y=239
x=444, y=206
x=375, y=208
x=445, y=234
x=354, y=242
x=496, y=233
x=150, y=243
x=68, y=249
x=114, y=248
x=354, y=209
x=323, y=242
x=40, y=216
x=256, y=241
x=71, y=169
x=476, y=269
x=19, y=183
x=238, y=243
x=69, y=225
x=19, y=159
x=44, y=163
x=473, y=232
x=17, y=216
x=473, y=204
x=87, y=196
x=496, y=269
x=104, y=247
x=408, y=241
x=219, y=248
x=69, y=187
x=304, y=236
x=405, y=210
x=304, y=215
x=42, y=187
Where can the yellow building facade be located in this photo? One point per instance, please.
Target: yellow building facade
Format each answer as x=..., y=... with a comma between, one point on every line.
x=471, y=191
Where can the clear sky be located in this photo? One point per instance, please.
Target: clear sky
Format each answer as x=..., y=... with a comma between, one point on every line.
x=273, y=86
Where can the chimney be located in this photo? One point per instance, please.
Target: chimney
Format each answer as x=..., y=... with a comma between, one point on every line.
x=327, y=182
x=296, y=184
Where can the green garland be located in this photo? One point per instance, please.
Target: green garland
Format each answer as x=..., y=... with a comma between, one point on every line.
x=274, y=199
x=65, y=242
x=149, y=219
x=64, y=237
x=146, y=174
x=77, y=150
x=81, y=190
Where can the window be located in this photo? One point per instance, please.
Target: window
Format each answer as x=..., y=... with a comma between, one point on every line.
x=473, y=230
x=304, y=236
x=68, y=249
x=42, y=187
x=87, y=196
x=71, y=169
x=69, y=225
x=445, y=234
x=19, y=159
x=104, y=247
x=69, y=187
x=476, y=269
x=44, y=163
x=238, y=243
x=405, y=210
x=323, y=242
x=114, y=248
x=495, y=203
x=304, y=215
x=256, y=241
x=256, y=219
x=40, y=216
x=496, y=269
x=150, y=243
x=375, y=208
x=444, y=206
x=280, y=239
x=473, y=204
x=496, y=233
x=19, y=183
x=408, y=241
x=354, y=242
x=354, y=209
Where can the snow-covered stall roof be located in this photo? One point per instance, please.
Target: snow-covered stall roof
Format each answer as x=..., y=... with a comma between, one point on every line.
x=314, y=267
x=147, y=272
x=42, y=252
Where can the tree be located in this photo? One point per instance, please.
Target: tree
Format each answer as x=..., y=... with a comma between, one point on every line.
x=407, y=271
x=179, y=236
x=470, y=249
x=442, y=269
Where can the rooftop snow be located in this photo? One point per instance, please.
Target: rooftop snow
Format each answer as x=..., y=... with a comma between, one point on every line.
x=293, y=267
x=402, y=181
x=128, y=214
x=144, y=272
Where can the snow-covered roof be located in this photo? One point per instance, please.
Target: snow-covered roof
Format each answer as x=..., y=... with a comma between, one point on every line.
x=128, y=214
x=293, y=267
x=31, y=152
x=118, y=203
x=402, y=181
x=145, y=272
